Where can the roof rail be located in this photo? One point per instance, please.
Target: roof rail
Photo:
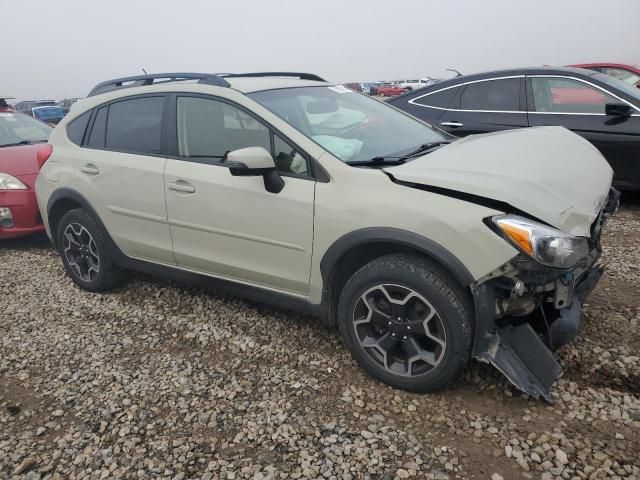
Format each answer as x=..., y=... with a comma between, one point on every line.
x=300, y=75
x=154, y=78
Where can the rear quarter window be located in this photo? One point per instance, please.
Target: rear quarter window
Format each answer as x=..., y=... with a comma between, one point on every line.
x=77, y=127
x=439, y=99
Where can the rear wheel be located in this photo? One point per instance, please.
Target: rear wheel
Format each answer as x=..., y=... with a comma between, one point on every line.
x=406, y=322
x=84, y=250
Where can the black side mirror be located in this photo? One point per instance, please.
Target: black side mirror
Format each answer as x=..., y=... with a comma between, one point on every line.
x=255, y=161
x=618, y=109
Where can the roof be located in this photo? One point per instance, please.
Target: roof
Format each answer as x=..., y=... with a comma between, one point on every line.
x=248, y=85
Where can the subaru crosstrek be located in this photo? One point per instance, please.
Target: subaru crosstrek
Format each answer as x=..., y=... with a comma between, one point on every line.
x=283, y=188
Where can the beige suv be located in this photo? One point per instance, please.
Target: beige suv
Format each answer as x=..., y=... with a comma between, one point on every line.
x=286, y=189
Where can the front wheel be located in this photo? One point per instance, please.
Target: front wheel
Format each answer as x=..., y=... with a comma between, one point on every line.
x=406, y=322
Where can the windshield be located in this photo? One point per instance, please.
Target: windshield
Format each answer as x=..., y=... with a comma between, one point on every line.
x=16, y=129
x=351, y=126
x=624, y=87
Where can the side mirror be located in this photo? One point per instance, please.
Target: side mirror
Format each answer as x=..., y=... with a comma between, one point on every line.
x=618, y=109
x=254, y=161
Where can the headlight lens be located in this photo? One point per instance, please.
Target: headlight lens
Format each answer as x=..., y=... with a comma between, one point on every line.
x=7, y=182
x=547, y=245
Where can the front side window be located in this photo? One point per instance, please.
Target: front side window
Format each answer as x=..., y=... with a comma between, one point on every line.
x=565, y=95
x=135, y=125
x=208, y=129
x=493, y=95
x=287, y=158
x=351, y=126
x=17, y=129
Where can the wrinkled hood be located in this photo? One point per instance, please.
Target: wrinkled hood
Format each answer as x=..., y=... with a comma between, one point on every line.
x=547, y=172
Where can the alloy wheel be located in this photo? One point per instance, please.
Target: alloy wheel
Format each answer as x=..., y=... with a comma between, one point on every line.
x=399, y=329
x=81, y=252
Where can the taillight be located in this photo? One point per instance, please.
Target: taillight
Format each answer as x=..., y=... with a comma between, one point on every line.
x=43, y=154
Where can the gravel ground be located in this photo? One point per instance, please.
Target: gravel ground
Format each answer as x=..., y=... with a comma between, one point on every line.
x=159, y=380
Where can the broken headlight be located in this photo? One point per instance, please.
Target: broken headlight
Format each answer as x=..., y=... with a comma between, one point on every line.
x=549, y=246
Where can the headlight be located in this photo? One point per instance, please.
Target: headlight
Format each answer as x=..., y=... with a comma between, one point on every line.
x=547, y=245
x=7, y=182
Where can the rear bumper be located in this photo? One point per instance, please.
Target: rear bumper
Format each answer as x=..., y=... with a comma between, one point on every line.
x=24, y=214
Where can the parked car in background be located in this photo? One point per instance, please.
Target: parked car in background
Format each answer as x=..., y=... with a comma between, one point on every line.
x=359, y=87
x=390, y=90
x=46, y=110
x=629, y=74
x=66, y=104
x=598, y=107
x=328, y=189
x=415, y=84
x=22, y=151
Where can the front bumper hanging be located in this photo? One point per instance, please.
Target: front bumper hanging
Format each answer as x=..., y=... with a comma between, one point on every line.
x=524, y=312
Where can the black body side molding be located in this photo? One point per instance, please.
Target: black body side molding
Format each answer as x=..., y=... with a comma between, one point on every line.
x=250, y=292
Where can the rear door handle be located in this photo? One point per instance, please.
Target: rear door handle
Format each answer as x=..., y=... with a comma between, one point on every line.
x=452, y=124
x=181, y=186
x=90, y=169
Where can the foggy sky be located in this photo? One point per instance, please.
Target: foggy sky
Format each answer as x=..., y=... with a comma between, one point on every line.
x=57, y=49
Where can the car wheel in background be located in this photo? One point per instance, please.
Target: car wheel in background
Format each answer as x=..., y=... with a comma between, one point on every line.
x=85, y=254
x=406, y=322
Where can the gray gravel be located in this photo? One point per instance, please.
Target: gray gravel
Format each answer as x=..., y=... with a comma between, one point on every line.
x=158, y=380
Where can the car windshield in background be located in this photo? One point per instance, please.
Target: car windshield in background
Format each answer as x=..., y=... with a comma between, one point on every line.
x=351, y=126
x=619, y=84
x=18, y=129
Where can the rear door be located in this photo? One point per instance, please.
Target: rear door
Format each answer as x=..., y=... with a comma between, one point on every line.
x=579, y=105
x=120, y=171
x=486, y=105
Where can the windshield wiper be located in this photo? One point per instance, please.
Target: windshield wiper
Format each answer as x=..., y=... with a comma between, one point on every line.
x=22, y=142
x=423, y=148
x=378, y=161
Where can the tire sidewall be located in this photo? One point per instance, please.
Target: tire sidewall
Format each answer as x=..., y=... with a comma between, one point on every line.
x=457, y=341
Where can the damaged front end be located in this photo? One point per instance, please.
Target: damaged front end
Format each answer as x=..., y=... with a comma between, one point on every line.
x=525, y=310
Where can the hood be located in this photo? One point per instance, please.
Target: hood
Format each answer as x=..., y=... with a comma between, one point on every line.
x=19, y=160
x=548, y=172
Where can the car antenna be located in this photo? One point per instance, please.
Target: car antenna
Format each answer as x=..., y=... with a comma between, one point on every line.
x=145, y=72
x=458, y=74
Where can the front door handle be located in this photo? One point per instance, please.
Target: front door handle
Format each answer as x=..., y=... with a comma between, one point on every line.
x=181, y=186
x=90, y=169
x=452, y=124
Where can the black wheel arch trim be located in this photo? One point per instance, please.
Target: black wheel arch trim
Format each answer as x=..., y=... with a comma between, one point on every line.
x=372, y=235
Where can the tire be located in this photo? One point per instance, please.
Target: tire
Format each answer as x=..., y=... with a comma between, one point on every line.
x=88, y=260
x=434, y=350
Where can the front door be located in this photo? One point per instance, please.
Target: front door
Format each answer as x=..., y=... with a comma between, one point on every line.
x=230, y=226
x=580, y=107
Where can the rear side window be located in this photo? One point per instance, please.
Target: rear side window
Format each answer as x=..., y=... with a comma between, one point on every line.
x=135, y=125
x=77, y=127
x=441, y=99
x=96, y=139
x=498, y=95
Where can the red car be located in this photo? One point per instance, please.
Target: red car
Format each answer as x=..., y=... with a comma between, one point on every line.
x=390, y=90
x=23, y=150
x=629, y=74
